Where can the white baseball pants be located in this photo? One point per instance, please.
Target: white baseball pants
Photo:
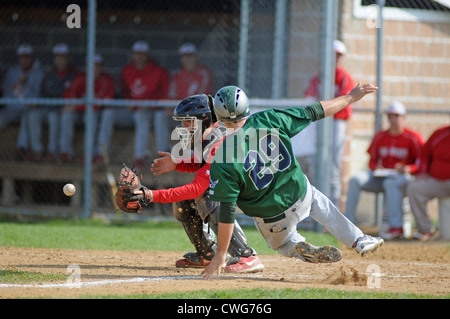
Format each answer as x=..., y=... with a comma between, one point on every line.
x=282, y=234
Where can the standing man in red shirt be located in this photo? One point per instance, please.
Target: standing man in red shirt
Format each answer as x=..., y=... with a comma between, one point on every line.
x=344, y=83
x=393, y=158
x=433, y=180
x=193, y=78
x=71, y=114
x=142, y=79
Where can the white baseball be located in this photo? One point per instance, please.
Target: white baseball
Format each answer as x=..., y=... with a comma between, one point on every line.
x=69, y=189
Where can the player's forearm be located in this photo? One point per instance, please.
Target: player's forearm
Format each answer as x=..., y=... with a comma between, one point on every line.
x=178, y=194
x=189, y=191
x=227, y=215
x=224, y=237
x=331, y=107
x=223, y=241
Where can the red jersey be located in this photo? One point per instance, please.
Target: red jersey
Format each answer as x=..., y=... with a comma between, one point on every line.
x=103, y=89
x=184, y=83
x=149, y=83
x=344, y=83
x=435, y=156
x=388, y=150
x=201, y=181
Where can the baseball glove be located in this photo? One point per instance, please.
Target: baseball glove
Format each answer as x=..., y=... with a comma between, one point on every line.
x=128, y=197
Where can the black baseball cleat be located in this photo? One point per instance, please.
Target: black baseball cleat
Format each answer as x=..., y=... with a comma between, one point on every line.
x=313, y=254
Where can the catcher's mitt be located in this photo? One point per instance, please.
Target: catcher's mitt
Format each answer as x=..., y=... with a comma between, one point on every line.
x=126, y=198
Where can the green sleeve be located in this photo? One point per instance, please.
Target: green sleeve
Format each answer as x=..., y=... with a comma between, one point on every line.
x=227, y=212
x=315, y=111
x=294, y=120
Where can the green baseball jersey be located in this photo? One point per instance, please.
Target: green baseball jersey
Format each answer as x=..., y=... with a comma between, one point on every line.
x=255, y=167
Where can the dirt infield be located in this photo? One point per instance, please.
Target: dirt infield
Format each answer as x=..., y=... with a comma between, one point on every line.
x=401, y=267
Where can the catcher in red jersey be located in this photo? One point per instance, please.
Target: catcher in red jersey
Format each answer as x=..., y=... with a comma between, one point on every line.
x=191, y=203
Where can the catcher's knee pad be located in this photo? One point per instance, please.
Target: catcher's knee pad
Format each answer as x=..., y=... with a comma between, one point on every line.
x=182, y=210
x=201, y=206
x=197, y=232
x=199, y=236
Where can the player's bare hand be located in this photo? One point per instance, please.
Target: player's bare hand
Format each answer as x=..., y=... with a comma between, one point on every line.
x=163, y=164
x=214, y=267
x=360, y=90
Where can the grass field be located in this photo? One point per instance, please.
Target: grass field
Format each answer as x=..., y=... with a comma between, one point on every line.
x=164, y=236
x=81, y=234
x=308, y=293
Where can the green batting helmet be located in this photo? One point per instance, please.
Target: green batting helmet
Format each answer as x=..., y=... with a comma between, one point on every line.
x=231, y=104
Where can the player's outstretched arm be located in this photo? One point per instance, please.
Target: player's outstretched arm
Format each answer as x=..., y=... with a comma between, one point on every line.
x=331, y=107
x=223, y=241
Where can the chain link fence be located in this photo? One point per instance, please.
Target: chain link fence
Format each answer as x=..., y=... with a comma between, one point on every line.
x=141, y=70
x=144, y=56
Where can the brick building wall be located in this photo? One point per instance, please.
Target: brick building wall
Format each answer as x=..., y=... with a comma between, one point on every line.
x=416, y=72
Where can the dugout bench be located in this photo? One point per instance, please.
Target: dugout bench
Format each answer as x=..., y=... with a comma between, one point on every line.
x=443, y=215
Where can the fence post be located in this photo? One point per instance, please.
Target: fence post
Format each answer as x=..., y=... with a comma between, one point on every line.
x=243, y=44
x=279, y=49
x=324, y=132
x=379, y=106
x=380, y=3
x=89, y=115
x=325, y=126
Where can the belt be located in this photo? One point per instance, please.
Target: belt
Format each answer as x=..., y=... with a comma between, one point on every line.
x=274, y=219
x=282, y=215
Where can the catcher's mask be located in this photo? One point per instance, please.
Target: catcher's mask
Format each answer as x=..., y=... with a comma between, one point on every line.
x=194, y=112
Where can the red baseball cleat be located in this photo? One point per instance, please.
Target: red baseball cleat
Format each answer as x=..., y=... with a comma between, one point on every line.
x=244, y=264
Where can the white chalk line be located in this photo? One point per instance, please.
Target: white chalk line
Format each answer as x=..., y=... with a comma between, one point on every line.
x=81, y=284
x=98, y=282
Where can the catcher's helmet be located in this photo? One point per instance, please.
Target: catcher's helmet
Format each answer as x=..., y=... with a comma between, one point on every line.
x=231, y=104
x=196, y=107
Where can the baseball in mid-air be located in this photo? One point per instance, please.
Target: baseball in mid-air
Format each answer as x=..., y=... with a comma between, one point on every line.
x=69, y=189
